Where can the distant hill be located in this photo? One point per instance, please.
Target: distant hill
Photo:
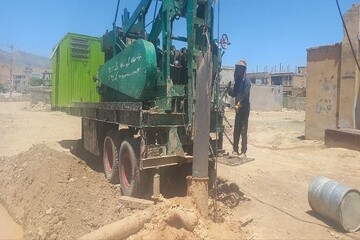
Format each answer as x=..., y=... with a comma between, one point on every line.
x=24, y=59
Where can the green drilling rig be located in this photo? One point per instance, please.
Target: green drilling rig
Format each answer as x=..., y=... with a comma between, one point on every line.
x=144, y=122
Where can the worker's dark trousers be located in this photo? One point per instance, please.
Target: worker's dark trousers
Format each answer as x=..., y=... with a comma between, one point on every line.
x=241, y=126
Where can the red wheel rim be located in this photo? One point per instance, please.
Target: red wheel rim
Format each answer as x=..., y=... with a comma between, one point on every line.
x=108, y=155
x=126, y=169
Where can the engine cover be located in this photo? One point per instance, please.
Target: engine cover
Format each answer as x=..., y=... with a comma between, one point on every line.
x=132, y=72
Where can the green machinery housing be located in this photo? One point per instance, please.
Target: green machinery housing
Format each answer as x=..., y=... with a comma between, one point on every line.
x=75, y=60
x=144, y=121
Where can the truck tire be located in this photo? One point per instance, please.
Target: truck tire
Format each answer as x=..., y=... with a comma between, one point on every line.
x=111, y=156
x=129, y=172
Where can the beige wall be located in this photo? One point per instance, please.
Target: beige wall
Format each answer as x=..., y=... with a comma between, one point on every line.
x=266, y=98
x=349, y=87
x=262, y=98
x=323, y=75
x=299, y=81
x=297, y=103
x=348, y=95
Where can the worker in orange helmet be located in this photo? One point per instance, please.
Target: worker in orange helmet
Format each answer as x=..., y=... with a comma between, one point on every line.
x=241, y=93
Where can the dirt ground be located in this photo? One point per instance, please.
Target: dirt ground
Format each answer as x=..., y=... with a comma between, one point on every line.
x=53, y=189
x=277, y=181
x=63, y=197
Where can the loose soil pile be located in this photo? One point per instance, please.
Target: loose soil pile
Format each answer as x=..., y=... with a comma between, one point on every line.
x=16, y=97
x=179, y=219
x=39, y=107
x=55, y=195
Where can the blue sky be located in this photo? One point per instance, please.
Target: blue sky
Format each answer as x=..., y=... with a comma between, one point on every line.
x=264, y=32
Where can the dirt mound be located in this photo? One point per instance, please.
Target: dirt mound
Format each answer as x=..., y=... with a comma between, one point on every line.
x=179, y=219
x=55, y=195
x=228, y=197
x=15, y=97
x=176, y=218
x=39, y=107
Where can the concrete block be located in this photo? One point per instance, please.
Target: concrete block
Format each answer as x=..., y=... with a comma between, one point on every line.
x=343, y=138
x=322, y=90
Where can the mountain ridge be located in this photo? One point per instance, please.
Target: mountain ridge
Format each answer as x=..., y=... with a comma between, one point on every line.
x=24, y=59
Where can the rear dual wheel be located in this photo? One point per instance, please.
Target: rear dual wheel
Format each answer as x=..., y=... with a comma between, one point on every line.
x=121, y=162
x=129, y=172
x=111, y=156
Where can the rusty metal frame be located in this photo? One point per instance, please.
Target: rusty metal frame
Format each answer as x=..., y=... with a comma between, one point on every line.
x=129, y=113
x=164, y=161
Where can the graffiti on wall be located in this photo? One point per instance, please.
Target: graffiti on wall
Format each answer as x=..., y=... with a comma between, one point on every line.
x=326, y=104
x=323, y=106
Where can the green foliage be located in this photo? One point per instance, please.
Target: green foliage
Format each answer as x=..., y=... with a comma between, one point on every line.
x=35, y=82
x=2, y=87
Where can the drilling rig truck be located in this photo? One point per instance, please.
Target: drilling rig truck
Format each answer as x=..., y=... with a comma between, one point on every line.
x=144, y=121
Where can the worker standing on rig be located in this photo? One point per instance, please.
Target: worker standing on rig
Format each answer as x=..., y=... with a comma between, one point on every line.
x=241, y=93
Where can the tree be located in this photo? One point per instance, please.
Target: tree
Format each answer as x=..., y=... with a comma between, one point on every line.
x=35, y=82
x=2, y=87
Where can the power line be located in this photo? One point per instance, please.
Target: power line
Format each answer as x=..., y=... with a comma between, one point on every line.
x=347, y=34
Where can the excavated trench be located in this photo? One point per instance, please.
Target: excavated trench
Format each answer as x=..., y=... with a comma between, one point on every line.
x=9, y=228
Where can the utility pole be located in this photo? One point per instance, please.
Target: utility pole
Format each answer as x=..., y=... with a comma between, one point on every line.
x=11, y=69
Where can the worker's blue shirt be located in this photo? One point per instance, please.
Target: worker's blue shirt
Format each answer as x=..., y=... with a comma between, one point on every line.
x=241, y=93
